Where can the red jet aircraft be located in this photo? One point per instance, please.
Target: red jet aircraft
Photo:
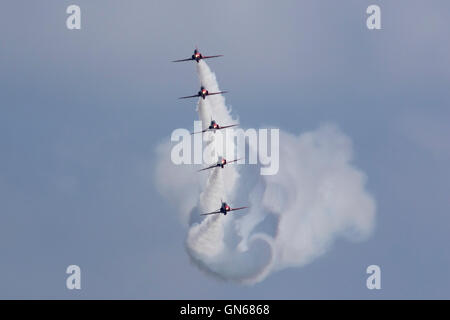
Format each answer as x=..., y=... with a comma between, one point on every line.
x=215, y=126
x=221, y=163
x=225, y=208
x=203, y=93
x=197, y=56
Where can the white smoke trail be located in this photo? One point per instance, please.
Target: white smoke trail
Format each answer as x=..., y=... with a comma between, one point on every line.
x=295, y=215
x=207, y=240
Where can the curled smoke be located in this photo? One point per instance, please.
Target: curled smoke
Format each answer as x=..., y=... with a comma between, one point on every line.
x=316, y=196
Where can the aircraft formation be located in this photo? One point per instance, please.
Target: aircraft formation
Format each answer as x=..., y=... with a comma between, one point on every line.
x=203, y=93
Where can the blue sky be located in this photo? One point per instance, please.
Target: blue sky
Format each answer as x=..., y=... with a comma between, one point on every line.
x=82, y=112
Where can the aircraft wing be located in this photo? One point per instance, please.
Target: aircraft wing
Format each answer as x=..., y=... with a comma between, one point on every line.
x=214, y=212
x=200, y=131
x=210, y=167
x=240, y=208
x=211, y=94
x=189, y=97
x=224, y=127
x=233, y=160
x=208, y=57
x=188, y=59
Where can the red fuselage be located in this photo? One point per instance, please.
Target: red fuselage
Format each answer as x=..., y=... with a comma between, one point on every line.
x=225, y=208
x=197, y=56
